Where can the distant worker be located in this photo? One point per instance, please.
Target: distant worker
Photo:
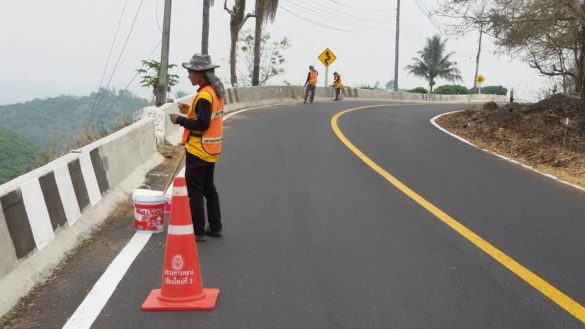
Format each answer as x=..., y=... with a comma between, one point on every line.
x=311, y=83
x=338, y=86
x=202, y=139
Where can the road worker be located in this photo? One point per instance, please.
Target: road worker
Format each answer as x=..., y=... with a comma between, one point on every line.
x=311, y=83
x=202, y=137
x=338, y=86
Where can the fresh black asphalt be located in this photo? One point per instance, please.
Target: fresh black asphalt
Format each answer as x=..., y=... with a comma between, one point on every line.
x=314, y=238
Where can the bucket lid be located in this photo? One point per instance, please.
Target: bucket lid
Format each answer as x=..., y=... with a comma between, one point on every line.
x=143, y=195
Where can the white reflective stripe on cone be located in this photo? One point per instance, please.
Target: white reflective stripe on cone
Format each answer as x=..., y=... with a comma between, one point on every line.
x=180, y=190
x=180, y=229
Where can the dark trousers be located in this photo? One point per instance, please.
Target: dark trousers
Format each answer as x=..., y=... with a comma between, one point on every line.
x=199, y=176
x=310, y=89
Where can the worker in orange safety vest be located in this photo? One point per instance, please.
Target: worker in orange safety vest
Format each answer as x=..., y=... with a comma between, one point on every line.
x=311, y=83
x=202, y=137
x=338, y=86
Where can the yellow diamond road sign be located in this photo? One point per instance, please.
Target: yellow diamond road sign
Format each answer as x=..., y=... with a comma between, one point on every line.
x=327, y=57
x=480, y=79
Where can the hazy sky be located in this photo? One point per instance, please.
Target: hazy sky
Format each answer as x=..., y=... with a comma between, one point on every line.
x=49, y=48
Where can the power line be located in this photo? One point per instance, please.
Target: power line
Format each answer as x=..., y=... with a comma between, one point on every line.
x=119, y=57
x=421, y=6
x=362, y=8
x=128, y=85
x=336, y=18
x=315, y=22
x=156, y=15
x=107, y=61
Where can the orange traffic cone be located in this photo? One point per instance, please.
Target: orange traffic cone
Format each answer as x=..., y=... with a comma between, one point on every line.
x=181, y=284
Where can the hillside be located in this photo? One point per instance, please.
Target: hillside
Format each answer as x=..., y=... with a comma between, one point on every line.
x=17, y=155
x=534, y=134
x=55, y=122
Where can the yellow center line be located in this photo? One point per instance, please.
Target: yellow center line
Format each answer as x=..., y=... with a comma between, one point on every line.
x=557, y=296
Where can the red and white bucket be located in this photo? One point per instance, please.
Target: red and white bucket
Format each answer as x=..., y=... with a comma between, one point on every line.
x=149, y=210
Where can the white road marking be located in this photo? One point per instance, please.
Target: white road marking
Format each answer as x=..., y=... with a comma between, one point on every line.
x=498, y=155
x=97, y=298
x=103, y=289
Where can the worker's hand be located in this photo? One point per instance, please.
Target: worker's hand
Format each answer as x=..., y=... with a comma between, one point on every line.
x=183, y=108
x=174, y=118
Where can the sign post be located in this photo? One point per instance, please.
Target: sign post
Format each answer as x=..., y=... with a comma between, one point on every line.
x=327, y=57
x=479, y=79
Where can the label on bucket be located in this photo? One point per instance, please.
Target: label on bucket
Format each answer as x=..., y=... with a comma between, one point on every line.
x=149, y=218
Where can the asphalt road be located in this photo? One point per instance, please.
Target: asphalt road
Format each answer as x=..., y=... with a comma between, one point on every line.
x=315, y=238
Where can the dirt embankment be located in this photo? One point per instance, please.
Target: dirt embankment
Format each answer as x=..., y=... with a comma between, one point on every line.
x=535, y=134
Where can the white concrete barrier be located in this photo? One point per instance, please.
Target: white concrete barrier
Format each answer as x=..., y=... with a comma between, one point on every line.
x=68, y=197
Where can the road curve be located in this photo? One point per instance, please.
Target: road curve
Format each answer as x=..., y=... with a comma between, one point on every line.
x=315, y=238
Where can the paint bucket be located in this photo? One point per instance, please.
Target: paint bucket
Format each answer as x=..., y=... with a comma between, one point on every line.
x=149, y=210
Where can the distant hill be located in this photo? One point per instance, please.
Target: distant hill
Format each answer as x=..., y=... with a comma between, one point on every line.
x=17, y=155
x=55, y=122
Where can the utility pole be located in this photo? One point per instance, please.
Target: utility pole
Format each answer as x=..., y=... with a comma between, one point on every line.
x=477, y=57
x=162, y=87
x=397, y=43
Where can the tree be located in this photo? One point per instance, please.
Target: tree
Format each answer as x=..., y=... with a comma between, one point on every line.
x=271, y=57
x=205, y=27
x=548, y=33
x=451, y=90
x=151, y=72
x=265, y=10
x=237, y=21
x=419, y=90
x=433, y=63
x=490, y=90
x=389, y=85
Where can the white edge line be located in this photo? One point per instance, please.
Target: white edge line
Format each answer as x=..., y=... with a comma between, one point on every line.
x=96, y=299
x=94, y=302
x=498, y=155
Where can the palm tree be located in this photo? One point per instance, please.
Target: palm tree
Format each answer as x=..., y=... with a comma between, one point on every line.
x=265, y=9
x=237, y=21
x=433, y=63
x=205, y=27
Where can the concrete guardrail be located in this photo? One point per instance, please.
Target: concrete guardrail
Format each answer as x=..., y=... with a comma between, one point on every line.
x=48, y=211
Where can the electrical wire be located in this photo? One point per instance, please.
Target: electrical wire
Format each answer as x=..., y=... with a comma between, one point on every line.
x=315, y=22
x=93, y=107
x=428, y=15
x=362, y=8
x=156, y=15
x=125, y=89
x=92, y=116
x=335, y=17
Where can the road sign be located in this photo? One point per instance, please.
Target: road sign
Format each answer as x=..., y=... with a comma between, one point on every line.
x=480, y=79
x=327, y=57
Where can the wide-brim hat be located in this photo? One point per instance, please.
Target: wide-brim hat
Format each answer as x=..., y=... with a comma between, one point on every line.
x=200, y=63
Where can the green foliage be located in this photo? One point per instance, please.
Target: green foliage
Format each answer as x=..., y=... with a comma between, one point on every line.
x=151, y=70
x=490, y=90
x=271, y=54
x=451, y=90
x=419, y=90
x=55, y=123
x=434, y=62
x=17, y=155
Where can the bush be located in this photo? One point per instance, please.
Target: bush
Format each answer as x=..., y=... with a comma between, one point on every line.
x=419, y=90
x=451, y=90
x=490, y=90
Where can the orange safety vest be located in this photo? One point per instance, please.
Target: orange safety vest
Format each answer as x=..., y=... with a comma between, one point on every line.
x=212, y=137
x=313, y=77
x=337, y=82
